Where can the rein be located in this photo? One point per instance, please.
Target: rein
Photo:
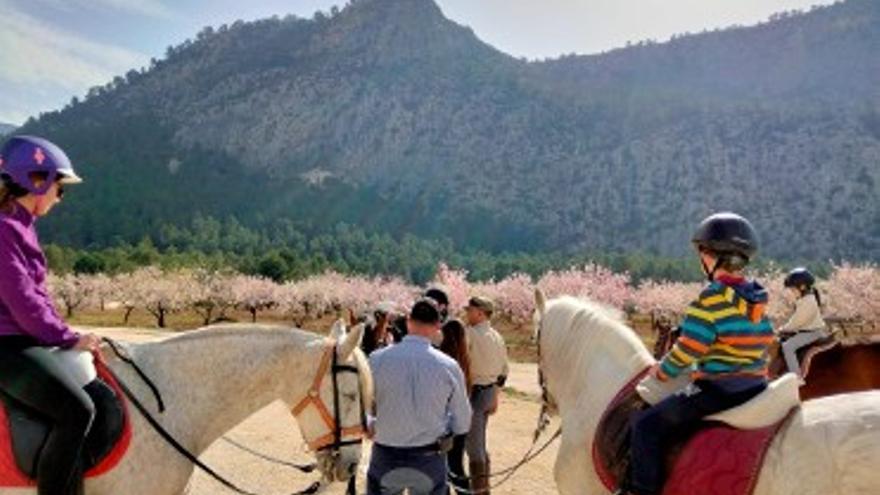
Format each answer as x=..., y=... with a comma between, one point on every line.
x=509, y=472
x=192, y=458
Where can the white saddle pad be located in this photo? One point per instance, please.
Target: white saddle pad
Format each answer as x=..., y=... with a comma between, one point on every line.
x=765, y=409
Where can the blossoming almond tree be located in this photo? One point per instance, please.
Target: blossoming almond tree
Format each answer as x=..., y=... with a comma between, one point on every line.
x=254, y=294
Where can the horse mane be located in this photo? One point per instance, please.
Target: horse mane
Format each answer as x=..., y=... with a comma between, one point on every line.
x=575, y=326
x=236, y=330
x=248, y=330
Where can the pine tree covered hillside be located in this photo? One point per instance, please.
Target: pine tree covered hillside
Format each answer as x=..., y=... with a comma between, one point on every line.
x=387, y=115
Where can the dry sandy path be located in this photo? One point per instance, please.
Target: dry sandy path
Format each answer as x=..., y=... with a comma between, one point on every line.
x=274, y=432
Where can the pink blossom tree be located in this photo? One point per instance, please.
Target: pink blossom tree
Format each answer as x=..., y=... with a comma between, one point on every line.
x=72, y=291
x=254, y=294
x=158, y=292
x=210, y=293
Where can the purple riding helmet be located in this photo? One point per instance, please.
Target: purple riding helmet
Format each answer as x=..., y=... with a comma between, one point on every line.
x=22, y=156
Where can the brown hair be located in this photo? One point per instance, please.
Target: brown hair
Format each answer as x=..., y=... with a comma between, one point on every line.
x=455, y=346
x=7, y=197
x=10, y=191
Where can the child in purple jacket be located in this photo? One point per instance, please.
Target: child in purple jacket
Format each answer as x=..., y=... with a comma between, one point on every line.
x=34, y=172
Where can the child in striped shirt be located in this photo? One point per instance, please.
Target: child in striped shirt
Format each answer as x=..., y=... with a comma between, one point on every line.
x=724, y=344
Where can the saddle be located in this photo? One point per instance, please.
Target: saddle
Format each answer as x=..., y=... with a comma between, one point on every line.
x=23, y=432
x=727, y=446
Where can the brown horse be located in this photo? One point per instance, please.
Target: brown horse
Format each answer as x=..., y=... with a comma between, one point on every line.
x=845, y=367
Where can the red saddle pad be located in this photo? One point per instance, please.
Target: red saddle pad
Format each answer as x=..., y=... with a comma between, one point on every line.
x=720, y=460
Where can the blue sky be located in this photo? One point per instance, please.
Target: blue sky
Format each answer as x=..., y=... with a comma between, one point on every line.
x=51, y=50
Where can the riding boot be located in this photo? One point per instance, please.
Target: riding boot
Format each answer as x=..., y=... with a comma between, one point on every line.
x=77, y=482
x=488, y=472
x=479, y=478
x=458, y=485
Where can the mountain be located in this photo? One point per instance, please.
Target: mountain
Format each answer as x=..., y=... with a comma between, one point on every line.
x=6, y=128
x=387, y=115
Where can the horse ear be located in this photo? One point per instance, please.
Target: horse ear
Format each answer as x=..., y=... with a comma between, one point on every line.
x=338, y=329
x=351, y=341
x=540, y=301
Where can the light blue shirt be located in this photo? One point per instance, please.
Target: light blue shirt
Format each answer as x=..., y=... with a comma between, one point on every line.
x=420, y=394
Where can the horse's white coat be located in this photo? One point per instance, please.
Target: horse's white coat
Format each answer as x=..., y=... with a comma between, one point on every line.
x=213, y=379
x=830, y=446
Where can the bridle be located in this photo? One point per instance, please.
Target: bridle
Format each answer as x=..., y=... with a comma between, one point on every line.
x=337, y=436
x=546, y=405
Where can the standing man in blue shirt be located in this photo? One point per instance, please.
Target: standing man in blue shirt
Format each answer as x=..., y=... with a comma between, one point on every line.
x=421, y=402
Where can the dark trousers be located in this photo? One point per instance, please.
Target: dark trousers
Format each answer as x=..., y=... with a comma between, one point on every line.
x=455, y=460
x=654, y=428
x=392, y=470
x=33, y=377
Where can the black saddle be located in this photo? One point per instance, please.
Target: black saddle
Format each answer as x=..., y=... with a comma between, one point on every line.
x=29, y=430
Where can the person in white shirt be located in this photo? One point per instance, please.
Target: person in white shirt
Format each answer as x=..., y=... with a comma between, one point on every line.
x=489, y=370
x=806, y=324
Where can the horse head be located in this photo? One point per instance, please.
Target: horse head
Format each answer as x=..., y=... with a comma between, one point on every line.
x=332, y=417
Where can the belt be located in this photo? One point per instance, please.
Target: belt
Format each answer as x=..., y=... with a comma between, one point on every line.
x=430, y=449
x=483, y=387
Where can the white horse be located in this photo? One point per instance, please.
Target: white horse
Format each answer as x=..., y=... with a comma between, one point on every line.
x=830, y=446
x=213, y=379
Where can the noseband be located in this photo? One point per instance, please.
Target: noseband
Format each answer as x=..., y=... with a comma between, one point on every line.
x=337, y=436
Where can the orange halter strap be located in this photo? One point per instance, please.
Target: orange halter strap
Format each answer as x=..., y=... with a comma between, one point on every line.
x=337, y=435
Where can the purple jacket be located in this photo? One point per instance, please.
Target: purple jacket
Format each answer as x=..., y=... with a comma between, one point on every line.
x=25, y=305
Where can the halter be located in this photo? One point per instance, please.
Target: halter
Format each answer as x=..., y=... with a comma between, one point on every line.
x=336, y=435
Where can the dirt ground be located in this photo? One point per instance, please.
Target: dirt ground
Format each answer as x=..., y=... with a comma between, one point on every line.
x=274, y=432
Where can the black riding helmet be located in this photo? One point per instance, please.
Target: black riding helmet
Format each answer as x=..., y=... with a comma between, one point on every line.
x=730, y=237
x=800, y=277
x=727, y=233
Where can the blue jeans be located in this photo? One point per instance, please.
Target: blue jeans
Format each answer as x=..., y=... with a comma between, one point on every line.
x=393, y=469
x=655, y=428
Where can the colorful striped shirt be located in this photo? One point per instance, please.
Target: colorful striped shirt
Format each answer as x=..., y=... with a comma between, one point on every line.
x=724, y=333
